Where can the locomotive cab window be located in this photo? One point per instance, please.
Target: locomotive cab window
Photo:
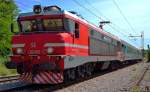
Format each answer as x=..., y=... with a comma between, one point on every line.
x=41, y=25
x=69, y=25
x=28, y=26
x=53, y=24
x=72, y=27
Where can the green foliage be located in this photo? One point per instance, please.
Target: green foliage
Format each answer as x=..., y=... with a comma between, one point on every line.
x=148, y=54
x=135, y=89
x=3, y=70
x=16, y=29
x=8, y=12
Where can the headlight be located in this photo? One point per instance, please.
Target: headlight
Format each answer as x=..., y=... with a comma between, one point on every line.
x=19, y=51
x=49, y=50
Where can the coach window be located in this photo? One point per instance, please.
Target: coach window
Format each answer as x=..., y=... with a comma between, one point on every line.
x=77, y=32
x=124, y=48
x=92, y=32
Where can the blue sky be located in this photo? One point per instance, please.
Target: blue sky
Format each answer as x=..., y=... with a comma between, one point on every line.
x=136, y=11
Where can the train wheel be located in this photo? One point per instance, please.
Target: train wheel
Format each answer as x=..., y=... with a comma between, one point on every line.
x=114, y=66
x=65, y=76
x=70, y=74
x=88, y=69
x=80, y=71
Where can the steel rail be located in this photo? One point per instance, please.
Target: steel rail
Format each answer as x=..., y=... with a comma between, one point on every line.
x=49, y=87
x=136, y=82
x=142, y=76
x=5, y=79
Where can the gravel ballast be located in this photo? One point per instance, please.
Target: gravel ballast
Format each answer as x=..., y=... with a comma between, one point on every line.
x=116, y=81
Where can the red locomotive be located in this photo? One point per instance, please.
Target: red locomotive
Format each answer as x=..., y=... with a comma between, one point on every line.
x=54, y=45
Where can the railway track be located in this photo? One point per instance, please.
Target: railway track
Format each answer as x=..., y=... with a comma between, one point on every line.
x=51, y=88
x=141, y=76
x=7, y=79
x=136, y=82
x=10, y=82
x=18, y=86
x=48, y=87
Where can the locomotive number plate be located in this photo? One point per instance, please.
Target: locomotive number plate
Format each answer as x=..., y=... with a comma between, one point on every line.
x=34, y=52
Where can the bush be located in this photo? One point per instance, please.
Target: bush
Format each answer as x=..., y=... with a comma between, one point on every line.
x=8, y=13
x=148, y=55
x=3, y=70
x=135, y=89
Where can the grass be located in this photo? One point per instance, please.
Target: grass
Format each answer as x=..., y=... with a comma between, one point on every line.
x=135, y=89
x=3, y=70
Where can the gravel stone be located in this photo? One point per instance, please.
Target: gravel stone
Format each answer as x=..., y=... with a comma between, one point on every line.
x=116, y=81
x=145, y=83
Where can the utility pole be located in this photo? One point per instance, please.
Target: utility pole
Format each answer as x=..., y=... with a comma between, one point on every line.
x=142, y=41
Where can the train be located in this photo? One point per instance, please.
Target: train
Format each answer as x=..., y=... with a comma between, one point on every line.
x=54, y=46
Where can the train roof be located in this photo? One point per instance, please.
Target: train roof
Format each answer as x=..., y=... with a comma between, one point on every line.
x=77, y=17
x=73, y=16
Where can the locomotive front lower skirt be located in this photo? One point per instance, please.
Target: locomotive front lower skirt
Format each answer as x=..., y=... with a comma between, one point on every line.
x=42, y=78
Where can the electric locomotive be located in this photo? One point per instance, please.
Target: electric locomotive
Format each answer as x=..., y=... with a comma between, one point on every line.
x=54, y=45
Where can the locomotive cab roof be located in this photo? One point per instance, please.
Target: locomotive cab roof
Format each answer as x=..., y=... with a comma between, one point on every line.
x=48, y=10
x=55, y=10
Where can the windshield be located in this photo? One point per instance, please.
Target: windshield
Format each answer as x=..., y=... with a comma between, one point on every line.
x=42, y=25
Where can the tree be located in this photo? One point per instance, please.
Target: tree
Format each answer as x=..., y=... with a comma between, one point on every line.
x=148, y=53
x=8, y=12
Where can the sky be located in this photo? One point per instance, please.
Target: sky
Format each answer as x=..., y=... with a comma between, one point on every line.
x=131, y=18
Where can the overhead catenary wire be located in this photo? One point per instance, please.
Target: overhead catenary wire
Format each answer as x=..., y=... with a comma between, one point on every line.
x=123, y=34
x=112, y=27
x=23, y=5
x=75, y=1
x=123, y=15
x=94, y=13
x=86, y=1
x=87, y=9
